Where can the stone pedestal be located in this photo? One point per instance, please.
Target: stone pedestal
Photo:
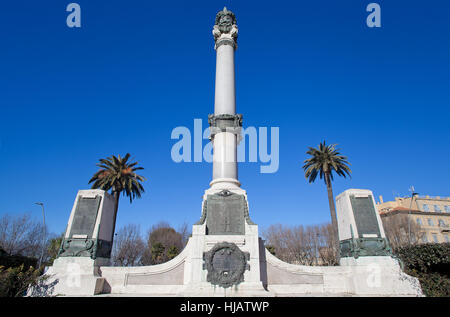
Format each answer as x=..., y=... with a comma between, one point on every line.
x=86, y=245
x=76, y=276
x=225, y=252
x=365, y=250
x=379, y=276
x=360, y=228
x=90, y=228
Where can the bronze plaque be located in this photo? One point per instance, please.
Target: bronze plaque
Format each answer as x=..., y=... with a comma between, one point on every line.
x=225, y=264
x=225, y=214
x=85, y=216
x=365, y=215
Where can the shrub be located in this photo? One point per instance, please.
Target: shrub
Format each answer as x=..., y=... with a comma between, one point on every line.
x=17, y=274
x=271, y=249
x=15, y=281
x=430, y=263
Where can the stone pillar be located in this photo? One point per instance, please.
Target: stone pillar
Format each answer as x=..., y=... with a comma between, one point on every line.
x=86, y=246
x=225, y=124
x=361, y=232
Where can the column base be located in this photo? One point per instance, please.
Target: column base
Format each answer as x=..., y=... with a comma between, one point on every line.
x=72, y=276
x=225, y=183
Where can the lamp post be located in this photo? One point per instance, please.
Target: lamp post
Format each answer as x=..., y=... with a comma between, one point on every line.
x=317, y=248
x=411, y=189
x=43, y=239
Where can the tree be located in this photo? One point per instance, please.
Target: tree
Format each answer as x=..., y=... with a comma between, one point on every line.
x=53, y=248
x=157, y=253
x=119, y=176
x=163, y=244
x=185, y=233
x=310, y=245
x=21, y=235
x=128, y=246
x=325, y=160
x=328, y=248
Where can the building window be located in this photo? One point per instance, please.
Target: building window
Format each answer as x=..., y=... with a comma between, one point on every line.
x=430, y=222
x=446, y=238
x=435, y=239
x=437, y=208
x=419, y=221
x=425, y=207
x=424, y=238
x=441, y=223
x=447, y=208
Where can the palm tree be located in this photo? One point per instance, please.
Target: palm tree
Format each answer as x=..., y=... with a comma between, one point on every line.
x=119, y=176
x=323, y=161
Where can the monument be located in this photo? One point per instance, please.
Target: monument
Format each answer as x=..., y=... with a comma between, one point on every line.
x=360, y=228
x=86, y=245
x=225, y=256
x=365, y=249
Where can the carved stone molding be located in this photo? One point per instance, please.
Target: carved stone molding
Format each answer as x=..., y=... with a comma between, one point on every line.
x=224, y=193
x=93, y=248
x=365, y=247
x=203, y=217
x=225, y=123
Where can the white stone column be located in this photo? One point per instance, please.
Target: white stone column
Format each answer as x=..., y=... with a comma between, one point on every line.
x=224, y=137
x=225, y=93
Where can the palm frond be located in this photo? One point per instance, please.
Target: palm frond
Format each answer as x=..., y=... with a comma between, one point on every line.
x=325, y=160
x=118, y=175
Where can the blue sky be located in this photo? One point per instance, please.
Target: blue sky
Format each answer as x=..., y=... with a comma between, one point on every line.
x=135, y=70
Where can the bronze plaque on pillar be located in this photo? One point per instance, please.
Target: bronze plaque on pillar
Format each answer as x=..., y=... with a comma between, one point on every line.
x=365, y=215
x=225, y=214
x=85, y=216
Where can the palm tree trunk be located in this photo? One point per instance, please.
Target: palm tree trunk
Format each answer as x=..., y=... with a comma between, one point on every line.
x=116, y=196
x=332, y=212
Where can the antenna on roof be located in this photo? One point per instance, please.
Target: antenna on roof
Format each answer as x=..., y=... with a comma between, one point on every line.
x=412, y=190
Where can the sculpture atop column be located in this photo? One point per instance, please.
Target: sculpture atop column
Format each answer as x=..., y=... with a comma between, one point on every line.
x=225, y=28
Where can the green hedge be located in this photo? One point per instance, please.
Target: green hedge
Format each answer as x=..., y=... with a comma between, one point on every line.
x=8, y=261
x=430, y=263
x=17, y=274
x=15, y=281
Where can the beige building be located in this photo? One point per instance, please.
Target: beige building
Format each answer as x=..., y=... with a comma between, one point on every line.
x=431, y=214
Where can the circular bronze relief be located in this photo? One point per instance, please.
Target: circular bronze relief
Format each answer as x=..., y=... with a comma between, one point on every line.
x=225, y=264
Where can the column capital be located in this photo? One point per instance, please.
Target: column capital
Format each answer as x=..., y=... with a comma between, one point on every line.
x=225, y=123
x=225, y=30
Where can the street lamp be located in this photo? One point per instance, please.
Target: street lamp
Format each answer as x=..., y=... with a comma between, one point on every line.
x=411, y=189
x=43, y=239
x=317, y=248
